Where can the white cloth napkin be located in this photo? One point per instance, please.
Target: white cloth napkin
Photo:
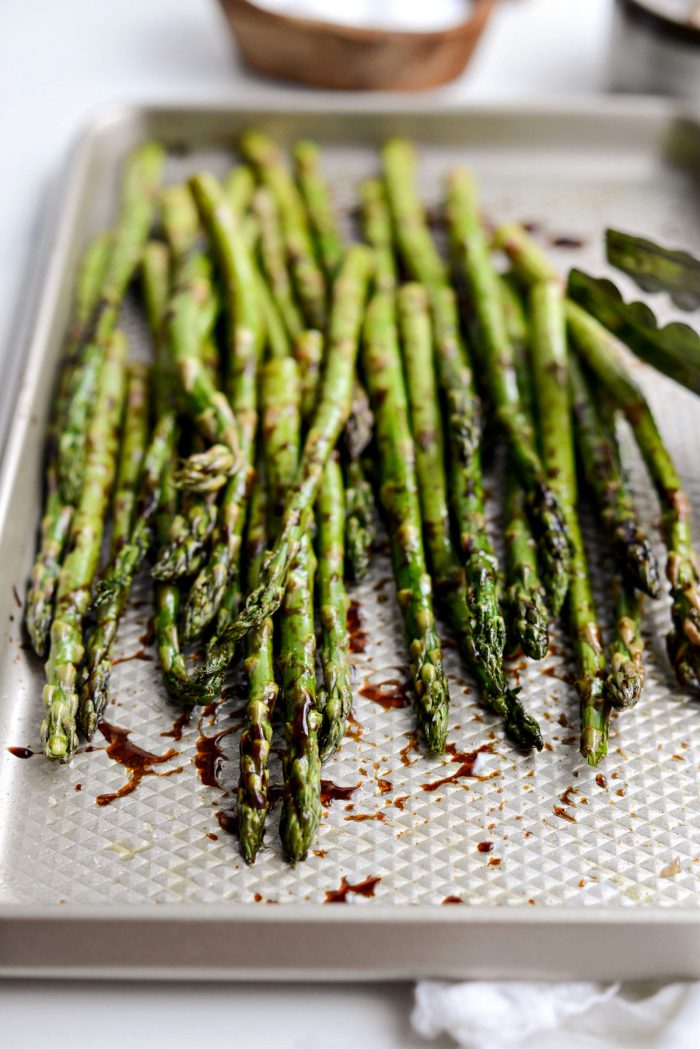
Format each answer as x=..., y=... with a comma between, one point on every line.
x=481, y=1015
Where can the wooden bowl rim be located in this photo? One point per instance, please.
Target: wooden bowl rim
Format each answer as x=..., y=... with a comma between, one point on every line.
x=361, y=33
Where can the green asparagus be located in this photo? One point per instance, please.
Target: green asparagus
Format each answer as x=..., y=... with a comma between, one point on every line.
x=140, y=186
x=550, y=380
x=56, y=520
x=472, y=612
x=256, y=735
x=96, y=672
x=58, y=730
x=274, y=262
x=376, y=229
x=525, y=598
x=245, y=335
x=319, y=207
x=603, y=354
x=604, y=476
x=334, y=404
x=265, y=156
x=399, y=497
x=624, y=684
x=301, y=807
x=474, y=266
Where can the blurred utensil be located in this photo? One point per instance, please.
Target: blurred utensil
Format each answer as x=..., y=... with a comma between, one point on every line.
x=655, y=47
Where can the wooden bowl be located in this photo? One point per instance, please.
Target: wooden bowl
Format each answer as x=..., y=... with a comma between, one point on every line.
x=327, y=54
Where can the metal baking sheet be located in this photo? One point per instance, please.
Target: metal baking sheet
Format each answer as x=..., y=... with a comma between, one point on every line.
x=549, y=868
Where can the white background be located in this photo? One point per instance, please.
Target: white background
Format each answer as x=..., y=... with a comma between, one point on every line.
x=59, y=61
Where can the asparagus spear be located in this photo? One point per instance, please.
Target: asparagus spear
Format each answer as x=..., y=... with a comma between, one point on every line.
x=98, y=651
x=274, y=262
x=58, y=730
x=360, y=527
x=189, y=305
x=528, y=262
x=186, y=541
x=56, y=521
x=487, y=627
x=623, y=685
x=399, y=497
x=265, y=156
x=359, y=500
x=605, y=477
x=477, y=622
x=301, y=808
x=142, y=176
x=335, y=699
x=239, y=187
x=473, y=263
x=550, y=380
x=319, y=208
x=245, y=344
x=525, y=597
x=120, y=574
x=408, y=217
x=335, y=399
x=603, y=354
x=376, y=229
x=673, y=349
x=308, y=353
x=158, y=493
x=256, y=736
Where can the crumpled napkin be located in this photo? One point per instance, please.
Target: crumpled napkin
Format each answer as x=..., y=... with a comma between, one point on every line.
x=480, y=1015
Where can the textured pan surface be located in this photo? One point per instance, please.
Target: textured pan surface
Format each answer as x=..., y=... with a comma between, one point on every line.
x=558, y=833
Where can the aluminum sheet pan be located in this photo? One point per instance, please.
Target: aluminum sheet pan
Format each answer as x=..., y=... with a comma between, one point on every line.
x=556, y=869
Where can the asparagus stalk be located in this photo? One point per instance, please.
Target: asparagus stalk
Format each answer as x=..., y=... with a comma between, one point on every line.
x=335, y=699
x=274, y=262
x=605, y=477
x=525, y=597
x=98, y=651
x=155, y=270
x=376, y=229
x=186, y=541
x=158, y=493
x=603, y=354
x=56, y=521
x=319, y=207
x=141, y=181
x=301, y=807
x=308, y=353
x=245, y=344
x=58, y=730
x=332, y=411
x=266, y=158
x=399, y=497
x=487, y=633
x=256, y=735
x=477, y=622
x=529, y=264
x=473, y=263
x=360, y=527
x=239, y=187
x=190, y=306
x=408, y=217
x=624, y=683
x=550, y=380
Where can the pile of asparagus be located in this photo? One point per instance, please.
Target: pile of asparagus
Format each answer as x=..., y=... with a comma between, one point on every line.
x=294, y=381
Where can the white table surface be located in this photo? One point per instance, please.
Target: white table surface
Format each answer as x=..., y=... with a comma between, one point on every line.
x=59, y=60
